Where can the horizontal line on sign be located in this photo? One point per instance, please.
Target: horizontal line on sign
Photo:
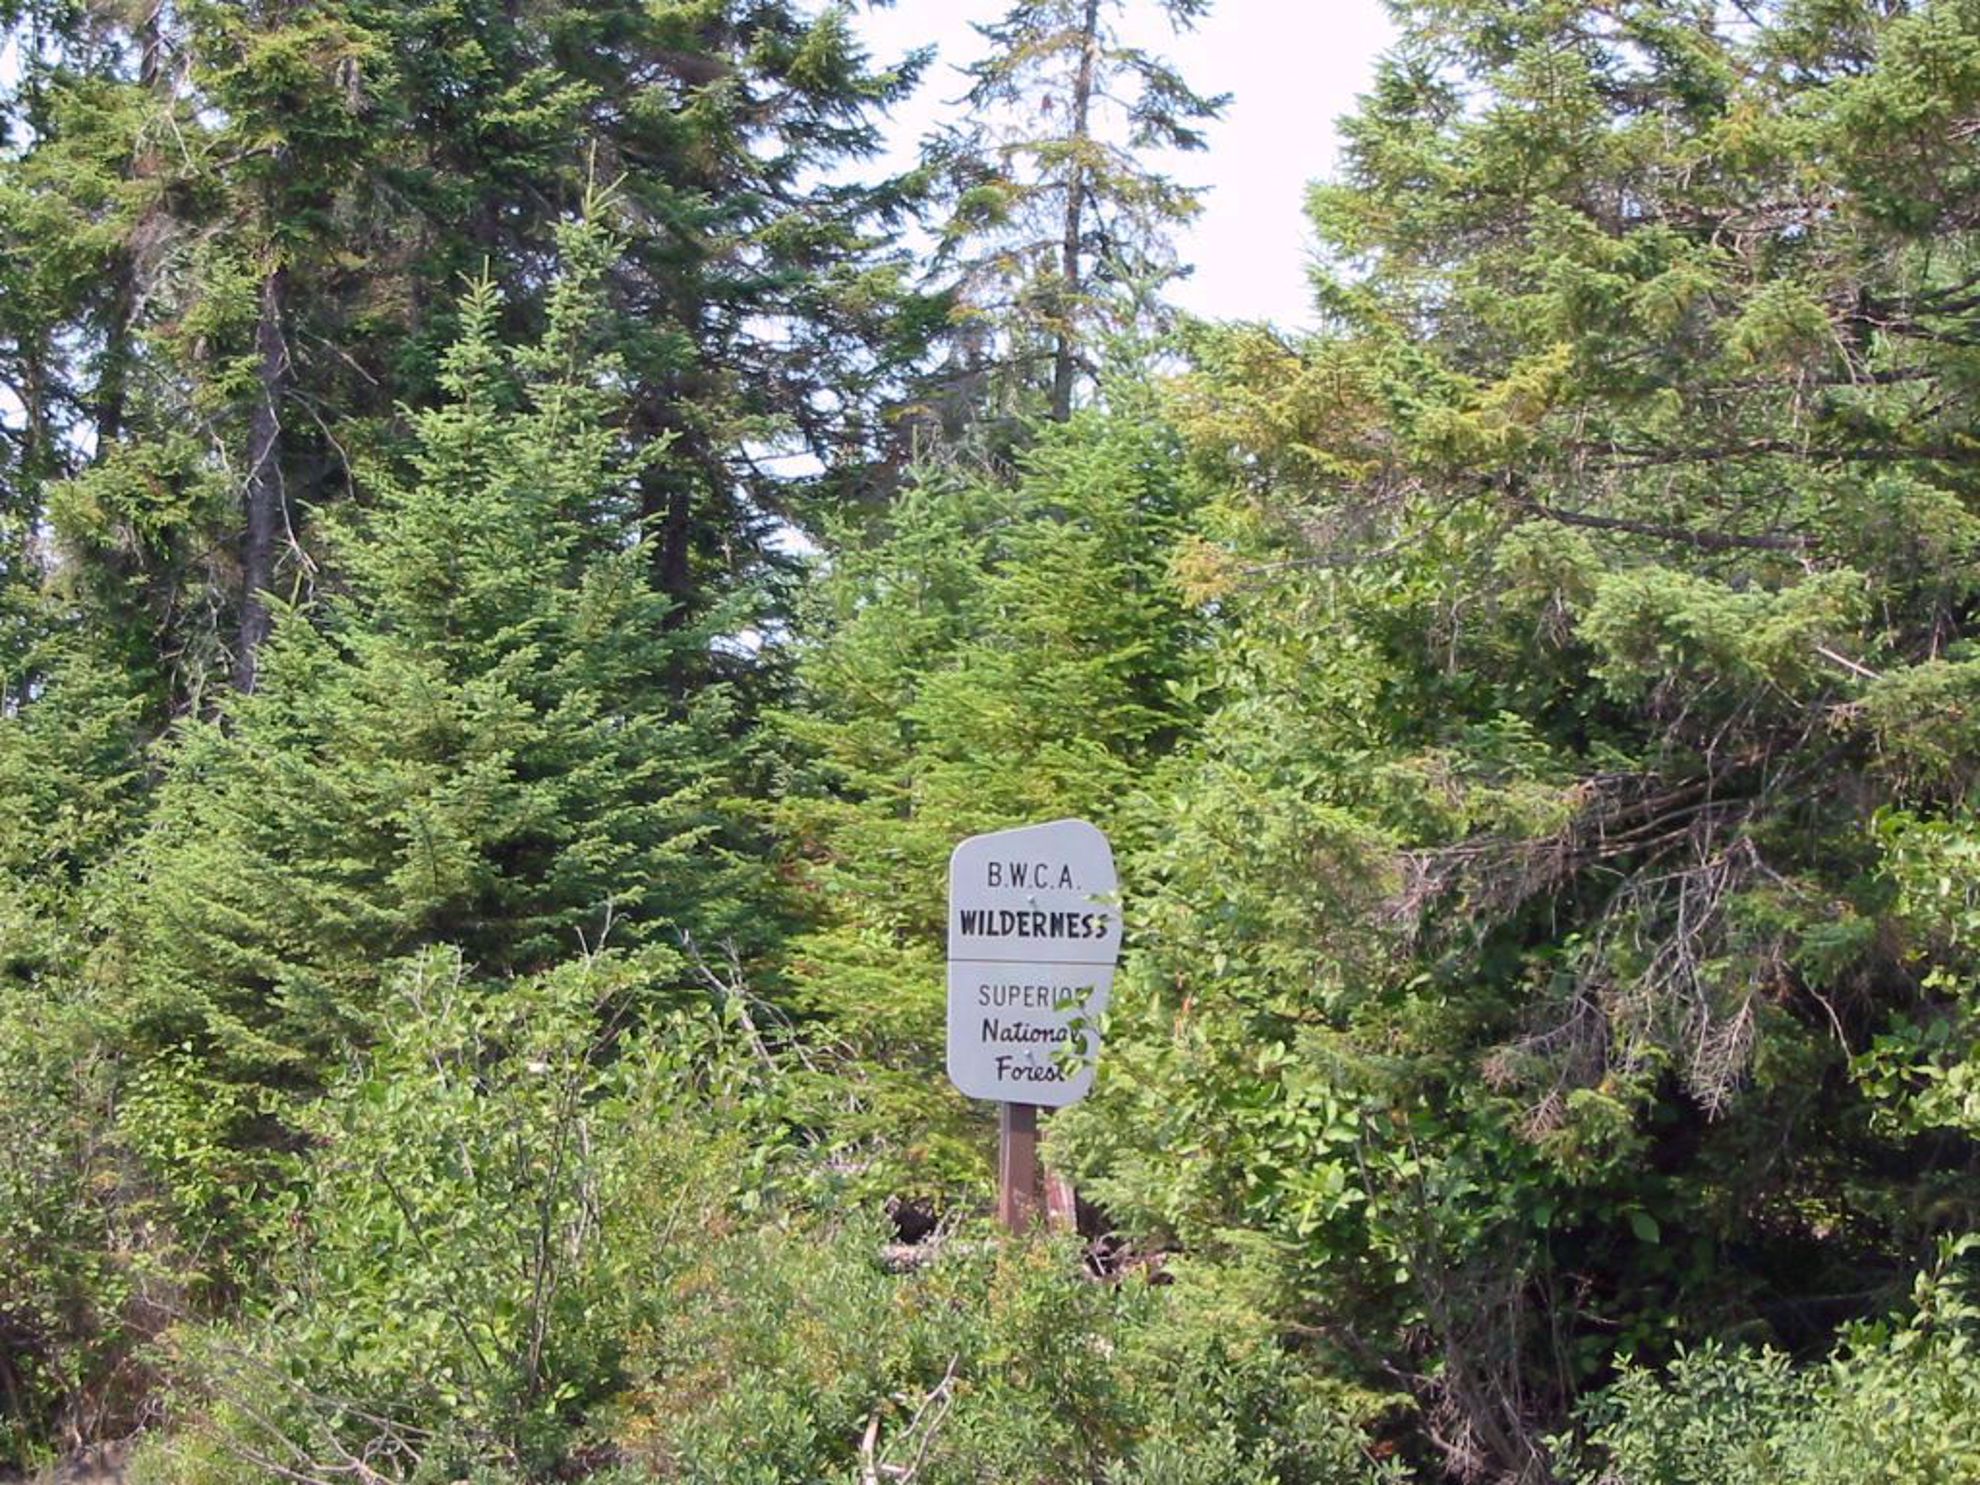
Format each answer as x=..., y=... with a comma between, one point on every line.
x=1046, y=963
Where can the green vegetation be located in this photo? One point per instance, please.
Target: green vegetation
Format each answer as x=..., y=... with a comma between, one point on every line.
x=471, y=899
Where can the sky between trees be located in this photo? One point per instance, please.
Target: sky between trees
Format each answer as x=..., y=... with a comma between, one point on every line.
x=1292, y=69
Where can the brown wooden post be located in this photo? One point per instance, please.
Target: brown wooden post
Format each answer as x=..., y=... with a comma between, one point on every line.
x=1017, y=1165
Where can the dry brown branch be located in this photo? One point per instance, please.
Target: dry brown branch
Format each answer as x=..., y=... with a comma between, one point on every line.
x=923, y=1426
x=1609, y=816
x=1671, y=927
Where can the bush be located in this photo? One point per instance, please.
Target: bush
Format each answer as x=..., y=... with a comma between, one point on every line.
x=82, y=1270
x=1894, y=1406
x=448, y=1300
x=793, y=1356
x=526, y=1245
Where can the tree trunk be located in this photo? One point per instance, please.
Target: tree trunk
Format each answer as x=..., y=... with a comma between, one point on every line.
x=265, y=513
x=667, y=500
x=120, y=313
x=670, y=505
x=1065, y=354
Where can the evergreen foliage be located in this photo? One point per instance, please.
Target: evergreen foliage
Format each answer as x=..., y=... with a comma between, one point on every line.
x=245, y=226
x=1524, y=966
x=470, y=897
x=474, y=743
x=1057, y=229
x=1000, y=654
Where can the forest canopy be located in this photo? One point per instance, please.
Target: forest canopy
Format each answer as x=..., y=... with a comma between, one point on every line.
x=473, y=821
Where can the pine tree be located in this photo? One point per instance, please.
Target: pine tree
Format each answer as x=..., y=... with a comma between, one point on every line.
x=474, y=743
x=1595, y=599
x=1001, y=655
x=1058, y=232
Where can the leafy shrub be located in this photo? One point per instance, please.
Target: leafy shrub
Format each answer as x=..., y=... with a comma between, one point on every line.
x=1896, y=1404
x=81, y=1267
x=448, y=1298
x=792, y=1355
x=527, y=1244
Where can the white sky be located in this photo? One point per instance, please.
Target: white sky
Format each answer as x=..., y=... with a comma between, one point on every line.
x=1293, y=66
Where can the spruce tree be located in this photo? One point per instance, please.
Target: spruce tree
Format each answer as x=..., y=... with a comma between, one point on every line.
x=207, y=173
x=65, y=204
x=1001, y=654
x=474, y=742
x=1058, y=231
x=255, y=218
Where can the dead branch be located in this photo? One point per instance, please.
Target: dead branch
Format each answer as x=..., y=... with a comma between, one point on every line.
x=922, y=1427
x=1704, y=541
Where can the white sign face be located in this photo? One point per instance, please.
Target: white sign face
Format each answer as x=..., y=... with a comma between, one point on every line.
x=1033, y=934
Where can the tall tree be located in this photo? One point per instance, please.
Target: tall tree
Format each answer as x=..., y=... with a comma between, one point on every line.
x=220, y=156
x=297, y=191
x=474, y=743
x=1058, y=228
x=1598, y=593
x=64, y=206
